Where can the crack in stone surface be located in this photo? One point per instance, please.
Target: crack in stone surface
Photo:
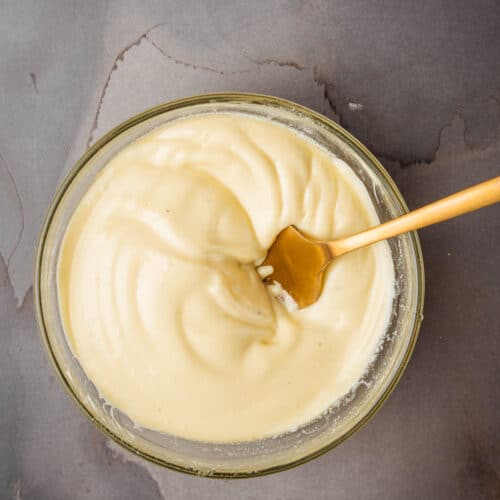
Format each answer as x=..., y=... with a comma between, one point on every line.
x=186, y=63
x=387, y=157
x=467, y=148
x=120, y=56
x=21, y=209
x=33, y=81
x=440, y=138
x=328, y=87
x=278, y=62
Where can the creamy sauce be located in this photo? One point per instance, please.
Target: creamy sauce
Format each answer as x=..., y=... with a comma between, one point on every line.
x=161, y=300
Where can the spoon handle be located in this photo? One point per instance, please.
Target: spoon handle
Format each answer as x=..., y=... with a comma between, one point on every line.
x=468, y=200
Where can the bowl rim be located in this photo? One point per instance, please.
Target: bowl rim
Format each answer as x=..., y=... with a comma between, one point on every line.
x=214, y=98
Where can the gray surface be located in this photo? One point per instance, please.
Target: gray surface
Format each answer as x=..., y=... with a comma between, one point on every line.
x=419, y=83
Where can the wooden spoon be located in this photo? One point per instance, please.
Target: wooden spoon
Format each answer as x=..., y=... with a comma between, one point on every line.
x=299, y=263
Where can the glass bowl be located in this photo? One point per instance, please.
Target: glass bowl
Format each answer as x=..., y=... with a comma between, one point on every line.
x=267, y=455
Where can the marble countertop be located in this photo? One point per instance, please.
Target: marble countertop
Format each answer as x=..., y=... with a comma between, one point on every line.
x=417, y=82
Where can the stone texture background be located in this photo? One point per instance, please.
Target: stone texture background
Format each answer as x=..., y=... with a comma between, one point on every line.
x=418, y=82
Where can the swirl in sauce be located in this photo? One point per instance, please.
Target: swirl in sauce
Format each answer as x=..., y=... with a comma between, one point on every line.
x=159, y=293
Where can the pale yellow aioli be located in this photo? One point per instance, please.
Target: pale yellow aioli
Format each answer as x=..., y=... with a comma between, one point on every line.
x=161, y=301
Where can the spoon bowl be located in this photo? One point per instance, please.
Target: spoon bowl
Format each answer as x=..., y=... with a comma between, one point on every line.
x=297, y=265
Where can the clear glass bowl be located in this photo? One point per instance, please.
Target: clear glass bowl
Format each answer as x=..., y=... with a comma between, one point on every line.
x=271, y=454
